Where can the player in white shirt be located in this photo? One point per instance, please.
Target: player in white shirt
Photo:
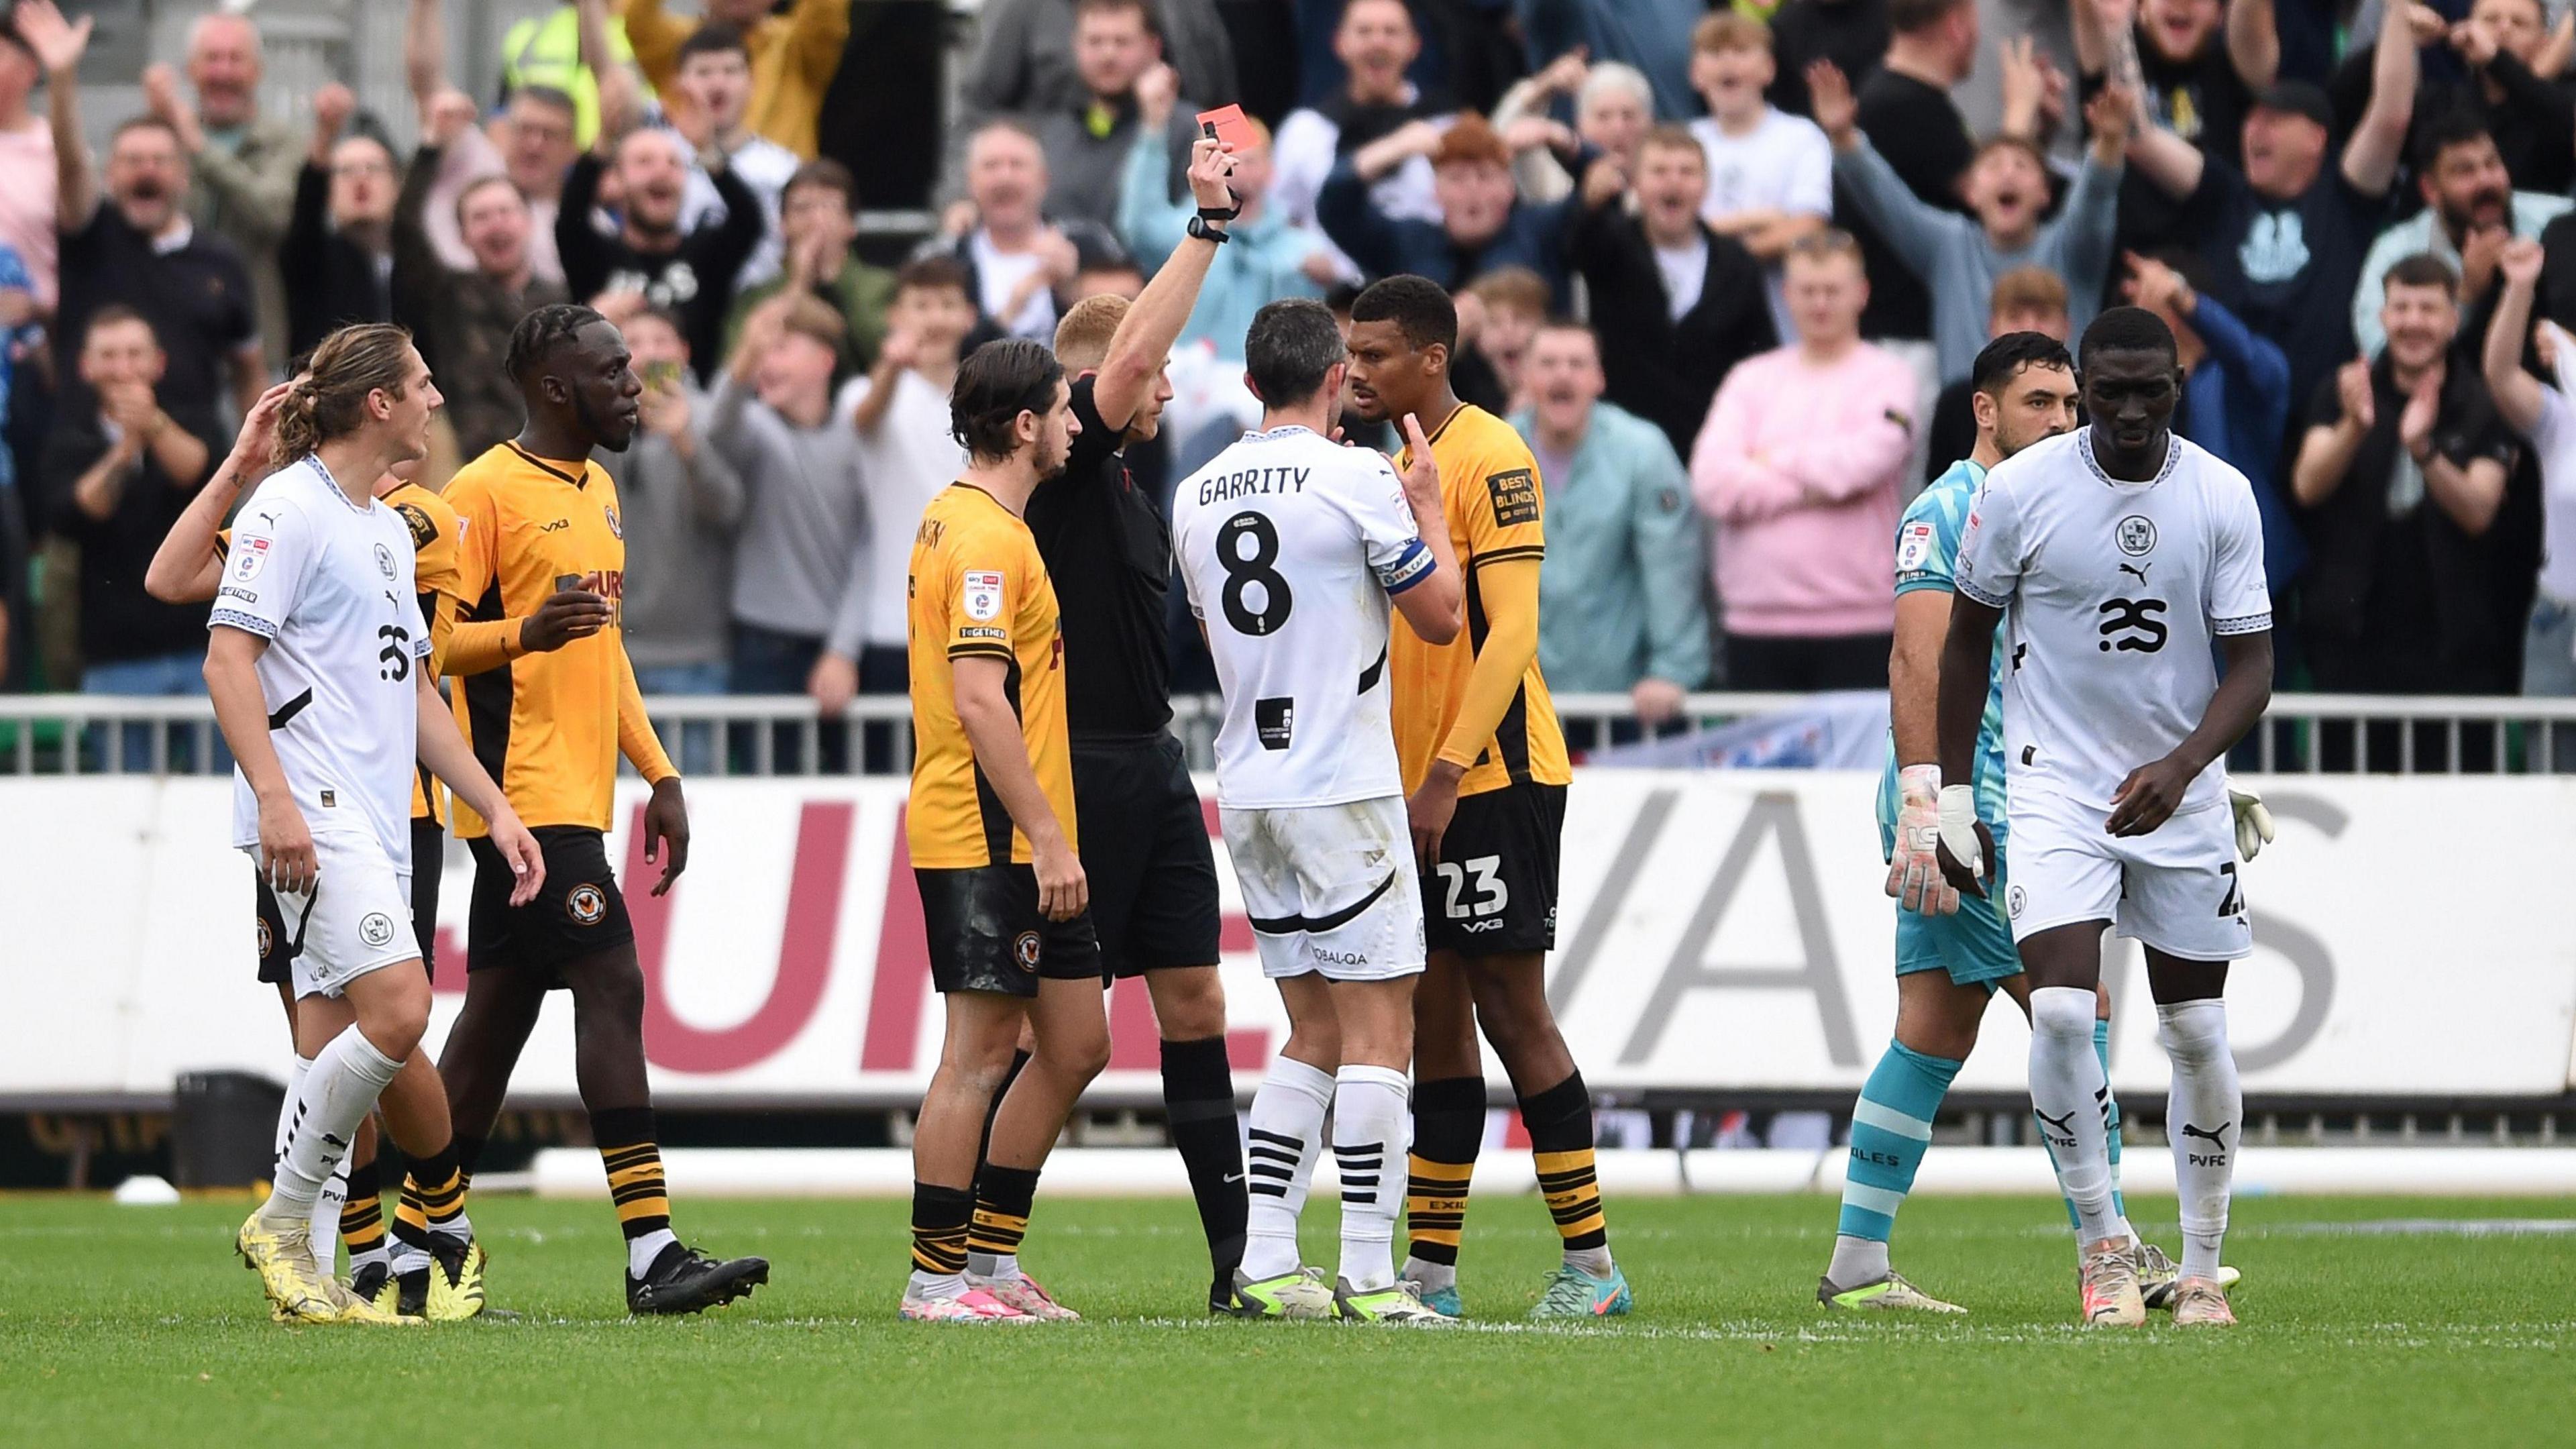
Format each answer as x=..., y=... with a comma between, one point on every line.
x=1290, y=546
x=2120, y=557
x=313, y=663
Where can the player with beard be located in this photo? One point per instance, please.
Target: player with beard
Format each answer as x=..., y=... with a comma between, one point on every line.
x=1950, y=959
x=1485, y=771
x=2130, y=560
x=539, y=536
x=990, y=831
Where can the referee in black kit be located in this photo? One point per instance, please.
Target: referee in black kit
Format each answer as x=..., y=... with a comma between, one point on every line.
x=1144, y=840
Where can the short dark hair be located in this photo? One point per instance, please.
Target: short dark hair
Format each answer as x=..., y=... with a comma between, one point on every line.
x=1416, y=305
x=2455, y=126
x=2423, y=269
x=932, y=273
x=826, y=172
x=115, y=314
x=142, y=123
x=2126, y=329
x=555, y=97
x=712, y=37
x=1291, y=347
x=1905, y=17
x=997, y=382
x=540, y=335
x=2007, y=356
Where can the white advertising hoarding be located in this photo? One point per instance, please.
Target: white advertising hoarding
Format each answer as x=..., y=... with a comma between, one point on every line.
x=1718, y=930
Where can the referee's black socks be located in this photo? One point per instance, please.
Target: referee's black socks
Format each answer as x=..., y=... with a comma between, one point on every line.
x=1198, y=1101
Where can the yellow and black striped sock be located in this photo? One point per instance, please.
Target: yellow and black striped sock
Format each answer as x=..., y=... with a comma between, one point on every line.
x=1448, y=1127
x=362, y=1217
x=433, y=1199
x=633, y=1159
x=1560, y=1128
x=939, y=1229
x=1003, y=1197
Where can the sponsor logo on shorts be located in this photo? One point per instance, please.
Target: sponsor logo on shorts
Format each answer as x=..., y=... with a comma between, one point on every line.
x=1479, y=925
x=587, y=905
x=376, y=929
x=2014, y=900
x=1024, y=949
x=2136, y=535
x=1341, y=958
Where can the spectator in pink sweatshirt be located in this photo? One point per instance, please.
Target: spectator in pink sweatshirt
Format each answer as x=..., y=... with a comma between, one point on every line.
x=1798, y=466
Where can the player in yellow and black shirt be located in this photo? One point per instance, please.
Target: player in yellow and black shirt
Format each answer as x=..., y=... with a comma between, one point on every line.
x=990, y=829
x=547, y=698
x=1485, y=772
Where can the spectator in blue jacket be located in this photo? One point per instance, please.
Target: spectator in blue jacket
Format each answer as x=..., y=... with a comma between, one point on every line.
x=1620, y=593
x=1484, y=224
x=2235, y=392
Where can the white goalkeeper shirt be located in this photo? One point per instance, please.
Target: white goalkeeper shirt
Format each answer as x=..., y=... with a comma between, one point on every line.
x=2113, y=593
x=328, y=583
x=1290, y=546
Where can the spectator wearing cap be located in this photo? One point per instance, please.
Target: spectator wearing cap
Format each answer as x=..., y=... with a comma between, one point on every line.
x=1683, y=303
x=1621, y=605
x=1798, y=467
x=243, y=164
x=2235, y=393
x=462, y=316
x=1483, y=223
x=2025, y=299
x=793, y=56
x=818, y=220
x=1614, y=106
x=532, y=142
x=709, y=100
x=339, y=243
x=1770, y=174
x=1376, y=42
x=1127, y=89
x=2400, y=477
x=1026, y=63
x=26, y=178
x=130, y=243
x=2006, y=188
x=2285, y=236
x=1023, y=262
x=2471, y=210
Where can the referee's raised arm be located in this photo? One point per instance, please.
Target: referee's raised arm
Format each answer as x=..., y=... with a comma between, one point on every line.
x=1143, y=341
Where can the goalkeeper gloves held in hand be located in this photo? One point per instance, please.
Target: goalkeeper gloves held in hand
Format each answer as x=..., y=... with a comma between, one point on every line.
x=2253, y=822
x=1914, y=870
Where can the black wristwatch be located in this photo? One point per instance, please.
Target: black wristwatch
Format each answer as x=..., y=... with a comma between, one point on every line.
x=1199, y=227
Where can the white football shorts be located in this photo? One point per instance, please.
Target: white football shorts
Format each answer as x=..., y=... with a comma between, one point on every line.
x=2176, y=888
x=1330, y=888
x=356, y=919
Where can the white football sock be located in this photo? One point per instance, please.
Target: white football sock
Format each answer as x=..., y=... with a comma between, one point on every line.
x=2067, y=1091
x=286, y=1109
x=640, y=1252
x=1371, y=1130
x=2204, y=1115
x=1284, y=1136
x=921, y=1287
x=347, y=1077
x=1856, y=1261
x=326, y=1216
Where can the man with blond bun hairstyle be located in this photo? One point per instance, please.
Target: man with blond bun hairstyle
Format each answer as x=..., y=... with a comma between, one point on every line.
x=313, y=665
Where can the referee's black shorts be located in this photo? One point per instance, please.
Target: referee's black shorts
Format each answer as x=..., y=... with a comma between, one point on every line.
x=1144, y=840
x=428, y=855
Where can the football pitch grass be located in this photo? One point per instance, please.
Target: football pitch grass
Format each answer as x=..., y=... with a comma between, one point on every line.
x=136, y=1326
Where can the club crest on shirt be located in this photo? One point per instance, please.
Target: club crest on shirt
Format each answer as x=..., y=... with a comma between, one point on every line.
x=250, y=555
x=416, y=518
x=614, y=530
x=384, y=561
x=980, y=592
x=2136, y=535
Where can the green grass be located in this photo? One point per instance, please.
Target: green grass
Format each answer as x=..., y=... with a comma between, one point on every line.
x=134, y=1326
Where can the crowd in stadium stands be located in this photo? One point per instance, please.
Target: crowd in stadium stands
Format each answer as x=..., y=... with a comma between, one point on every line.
x=1725, y=268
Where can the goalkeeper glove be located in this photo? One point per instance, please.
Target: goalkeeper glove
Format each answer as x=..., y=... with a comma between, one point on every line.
x=1914, y=871
x=1958, y=828
x=2253, y=822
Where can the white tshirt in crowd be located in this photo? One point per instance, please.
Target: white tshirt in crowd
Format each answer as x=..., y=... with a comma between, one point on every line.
x=1289, y=545
x=1783, y=164
x=903, y=465
x=2113, y=593
x=765, y=167
x=328, y=583
x=999, y=273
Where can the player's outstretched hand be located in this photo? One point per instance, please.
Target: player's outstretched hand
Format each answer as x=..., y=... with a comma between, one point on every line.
x=1064, y=892
x=1914, y=875
x=2149, y=796
x=571, y=614
x=519, y=848
x=666, y=833
x=286, y=848
x=1962, y=846
x=2254, y=828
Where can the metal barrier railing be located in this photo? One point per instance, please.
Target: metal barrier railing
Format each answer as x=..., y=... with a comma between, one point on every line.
x=82, y=734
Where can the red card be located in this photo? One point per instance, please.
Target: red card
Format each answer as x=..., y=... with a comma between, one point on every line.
x=1230, y=125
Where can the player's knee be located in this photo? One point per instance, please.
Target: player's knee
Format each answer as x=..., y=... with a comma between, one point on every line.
x=607, y=991
x=2194, y=1033
x=2062, y=1011
x=1189, y=1003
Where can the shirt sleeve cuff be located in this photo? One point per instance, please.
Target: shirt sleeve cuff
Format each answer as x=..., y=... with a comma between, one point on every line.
x=247, y=623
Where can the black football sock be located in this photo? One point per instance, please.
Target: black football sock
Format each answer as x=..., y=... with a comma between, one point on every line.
x=1198, y=1102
